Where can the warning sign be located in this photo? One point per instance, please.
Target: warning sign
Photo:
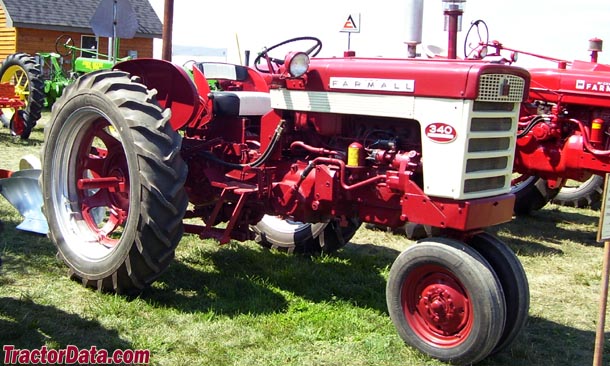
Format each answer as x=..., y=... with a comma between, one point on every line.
x=352, y=24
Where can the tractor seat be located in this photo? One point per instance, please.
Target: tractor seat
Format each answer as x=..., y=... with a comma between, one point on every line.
x=234, y=103
x=220, y=70
x=240, y=103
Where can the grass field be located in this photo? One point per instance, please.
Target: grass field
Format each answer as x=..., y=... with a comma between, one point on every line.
x=239, y=304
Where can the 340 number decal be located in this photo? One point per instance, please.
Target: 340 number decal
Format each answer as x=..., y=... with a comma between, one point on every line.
x=440, y=132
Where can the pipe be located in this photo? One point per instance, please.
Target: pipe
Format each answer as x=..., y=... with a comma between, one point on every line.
x=168, y=20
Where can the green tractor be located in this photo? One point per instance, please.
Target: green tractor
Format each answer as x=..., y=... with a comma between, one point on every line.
x=40, y=80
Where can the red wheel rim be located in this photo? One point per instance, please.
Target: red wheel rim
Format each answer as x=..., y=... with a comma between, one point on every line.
x=437, y=306
x=102, y=181
x=17, y=124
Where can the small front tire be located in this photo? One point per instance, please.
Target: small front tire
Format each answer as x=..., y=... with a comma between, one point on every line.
x=514, y=283
x=446, y=301
x=306, y=238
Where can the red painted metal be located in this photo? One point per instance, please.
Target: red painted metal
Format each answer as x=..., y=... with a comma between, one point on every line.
x=567, y=136
x=105, y=182
x=5, y=173
x=294, y=163
x=437, y=306
x=459, y=77
x=175, y=90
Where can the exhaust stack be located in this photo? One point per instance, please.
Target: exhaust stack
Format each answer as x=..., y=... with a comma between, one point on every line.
x=415, y=14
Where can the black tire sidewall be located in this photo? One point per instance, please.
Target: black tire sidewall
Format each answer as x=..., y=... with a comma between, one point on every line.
x=532, y=195
x=513, y=279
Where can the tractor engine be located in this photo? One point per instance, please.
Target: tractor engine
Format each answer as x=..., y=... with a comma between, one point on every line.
x=366, y=140
x=566, y=135
x=563, y=134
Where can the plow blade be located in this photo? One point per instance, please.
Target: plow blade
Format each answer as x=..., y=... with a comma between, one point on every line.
x=22, y=191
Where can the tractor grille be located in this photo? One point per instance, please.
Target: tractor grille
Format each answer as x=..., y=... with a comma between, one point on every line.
x=490, y=150
x=501, y=88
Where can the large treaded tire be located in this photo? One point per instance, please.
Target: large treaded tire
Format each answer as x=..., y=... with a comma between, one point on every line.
x=108, y=126
x=30, y=89
x=587, y=194
x=532, y=194
x=305, y=238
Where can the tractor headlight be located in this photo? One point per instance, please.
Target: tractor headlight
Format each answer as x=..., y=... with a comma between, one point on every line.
x=297, y=63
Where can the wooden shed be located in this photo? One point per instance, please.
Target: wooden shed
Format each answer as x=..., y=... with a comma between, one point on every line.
x=34, y=25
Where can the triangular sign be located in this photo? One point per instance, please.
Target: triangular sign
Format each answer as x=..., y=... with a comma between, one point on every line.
x=350, y=25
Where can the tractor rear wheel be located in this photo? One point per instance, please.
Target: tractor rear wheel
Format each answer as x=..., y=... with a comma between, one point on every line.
x=113, y=182
x=582, y=194
x=514, y=283
x=22, y=71
x=446, y=301
x=291, y=236
x=531, y=193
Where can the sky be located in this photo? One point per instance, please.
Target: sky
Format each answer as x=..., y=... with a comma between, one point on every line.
x=560, y=29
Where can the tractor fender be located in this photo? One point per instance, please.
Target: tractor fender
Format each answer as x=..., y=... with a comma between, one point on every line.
x=175, y=89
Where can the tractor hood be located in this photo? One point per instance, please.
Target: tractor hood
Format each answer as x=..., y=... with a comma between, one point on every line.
x=415, y=77
x=584, y=83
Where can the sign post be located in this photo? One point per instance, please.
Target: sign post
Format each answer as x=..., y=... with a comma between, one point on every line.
x=351, y=25
x=603, y=234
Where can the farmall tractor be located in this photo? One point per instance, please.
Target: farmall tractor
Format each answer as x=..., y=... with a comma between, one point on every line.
x=564, y=129
x=296, y=153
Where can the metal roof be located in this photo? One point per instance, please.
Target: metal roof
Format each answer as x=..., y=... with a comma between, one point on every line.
x=74, y=15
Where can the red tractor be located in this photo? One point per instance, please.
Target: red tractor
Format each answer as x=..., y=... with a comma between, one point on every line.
x=564, y=129
x=296, y=153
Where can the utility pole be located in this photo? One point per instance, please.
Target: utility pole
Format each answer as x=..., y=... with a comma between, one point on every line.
x=168, y=20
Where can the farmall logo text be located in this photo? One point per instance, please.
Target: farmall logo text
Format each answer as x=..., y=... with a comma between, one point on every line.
x=601, y=86
x=390, y=85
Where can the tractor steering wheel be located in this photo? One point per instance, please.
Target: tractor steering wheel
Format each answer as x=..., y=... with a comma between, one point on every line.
x=312, y=51
x=64, y=45
x=478, y=32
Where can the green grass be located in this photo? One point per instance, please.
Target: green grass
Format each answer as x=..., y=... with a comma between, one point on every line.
x=240, y=304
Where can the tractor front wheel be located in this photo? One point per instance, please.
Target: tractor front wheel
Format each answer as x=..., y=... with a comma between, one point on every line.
x=446, y=301
x=113, y=182
x=292, y=236
x=22, y=71
x=514, y=283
